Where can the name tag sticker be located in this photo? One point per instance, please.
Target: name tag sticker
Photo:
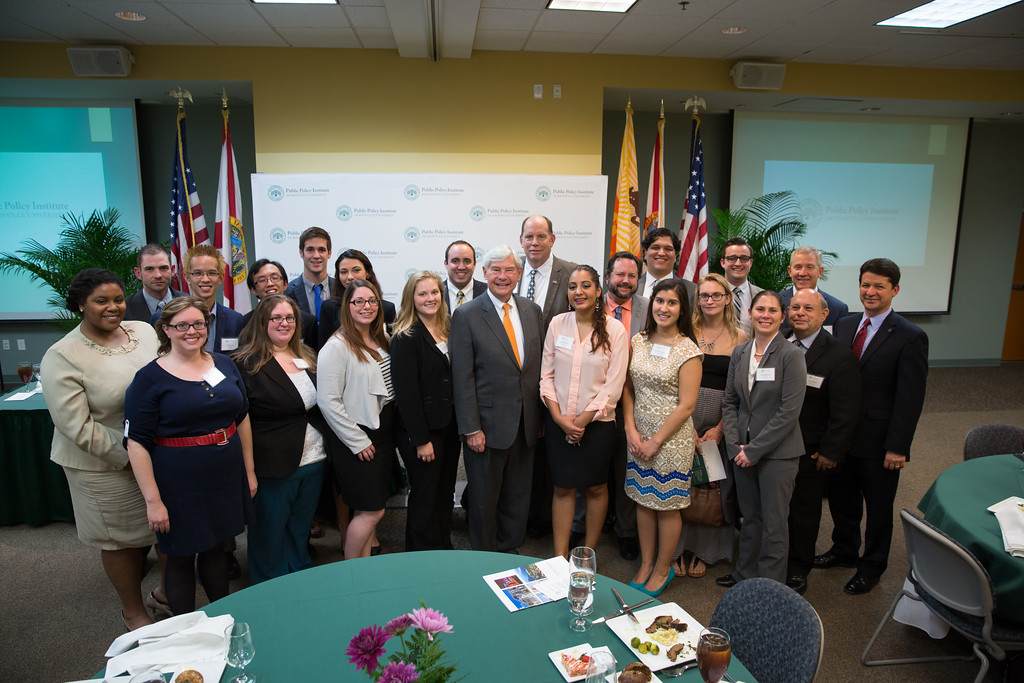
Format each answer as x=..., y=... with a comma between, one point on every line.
x=827, y=328
x=564, y=342
x=815, y=381
x=765, y=375
x=442, y=347
x=228, y=343
x=126, y=429
x=214, y=377
x=300, y=364
x=660, y=350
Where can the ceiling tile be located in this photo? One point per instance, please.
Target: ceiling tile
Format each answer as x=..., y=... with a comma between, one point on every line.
x=511, y=41
x=212, y=16
x=554, y=41
x=245, y=35
x=325, y=36
x=376, y=38
x=578, y=22
x=516, y=4
x=368, y=17
x=506, y=19
x=311, y=16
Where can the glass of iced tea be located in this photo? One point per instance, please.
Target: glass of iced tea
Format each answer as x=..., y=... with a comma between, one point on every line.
x=25, y=372
x=713, y=654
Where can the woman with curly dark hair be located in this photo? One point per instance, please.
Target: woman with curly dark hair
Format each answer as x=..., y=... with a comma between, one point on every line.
x=582, y=371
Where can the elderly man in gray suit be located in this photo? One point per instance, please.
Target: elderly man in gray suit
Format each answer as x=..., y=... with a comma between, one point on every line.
x=495, y=344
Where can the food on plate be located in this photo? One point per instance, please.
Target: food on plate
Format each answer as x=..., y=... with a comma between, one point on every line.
x=189, y=676
x=666, y=630
x=635, y=673
x=574, y=666
x=673, y=652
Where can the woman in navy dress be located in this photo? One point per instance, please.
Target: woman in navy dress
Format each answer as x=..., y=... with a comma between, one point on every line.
x=190, y=446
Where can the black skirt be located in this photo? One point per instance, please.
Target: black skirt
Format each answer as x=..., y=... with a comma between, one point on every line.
x=577, y=467
x=364, y=484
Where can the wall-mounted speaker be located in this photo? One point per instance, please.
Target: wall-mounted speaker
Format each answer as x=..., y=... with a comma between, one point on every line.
x=101, y=60
x=758, y=75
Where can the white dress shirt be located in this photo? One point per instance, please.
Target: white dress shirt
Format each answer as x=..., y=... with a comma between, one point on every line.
x=513, y=314
x=541, y=280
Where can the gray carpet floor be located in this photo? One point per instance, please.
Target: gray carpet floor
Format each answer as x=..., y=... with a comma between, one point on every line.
x=58, y=613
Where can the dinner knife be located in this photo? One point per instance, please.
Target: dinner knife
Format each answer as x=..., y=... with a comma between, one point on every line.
x=601, y=620
x=632, y=617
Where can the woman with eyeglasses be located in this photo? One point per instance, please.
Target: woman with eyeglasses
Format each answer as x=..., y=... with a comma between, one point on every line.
x=279, y=373
x=356, y=396
x=716, y=329
x=190, y=444
x=350, y=265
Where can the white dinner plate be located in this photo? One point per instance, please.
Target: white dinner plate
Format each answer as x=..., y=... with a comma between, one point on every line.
x=624, y=628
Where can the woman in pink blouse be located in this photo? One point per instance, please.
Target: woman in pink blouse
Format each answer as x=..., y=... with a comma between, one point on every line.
x=584, y=367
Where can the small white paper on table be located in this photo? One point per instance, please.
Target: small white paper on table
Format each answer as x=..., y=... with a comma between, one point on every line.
x=535, y=584
x=1010, y=516
x=712, y=460
x=22, y=395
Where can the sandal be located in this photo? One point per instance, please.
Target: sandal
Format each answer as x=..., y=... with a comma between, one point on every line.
x=697, y=568
x=679, y=565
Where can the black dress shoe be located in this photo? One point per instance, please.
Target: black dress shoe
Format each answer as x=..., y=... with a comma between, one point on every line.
x=797, y=583
x=860, y=584
x=727, y=581
x=829, y=560
x=538, y=528
x=629, y=548
x=234, y=571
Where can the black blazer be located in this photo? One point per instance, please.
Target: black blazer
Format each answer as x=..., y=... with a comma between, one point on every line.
x=831, y=411
x=422, y=377
x=330, y=320
x=479, y=289
x=893, y=372
x=278, y=418
x=136, y=308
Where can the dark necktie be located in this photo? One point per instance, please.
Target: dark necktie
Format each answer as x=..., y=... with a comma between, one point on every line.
x=532, y=287
x=800, y=345
x=862, y=334
x=737, y=295
x=618, y=312
x=317, y=300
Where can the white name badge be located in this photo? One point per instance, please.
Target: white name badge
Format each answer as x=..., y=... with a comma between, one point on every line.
x=815, y=381
x=564, y=342
x=827, y=328
x=126, y=429
x=228, y=343
x=300, y=364
x=765, y=375
x=660, y=350
x=442, y=347
x=213, y=377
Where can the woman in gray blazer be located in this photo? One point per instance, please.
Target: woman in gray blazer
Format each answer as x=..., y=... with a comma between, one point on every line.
x=764, y=393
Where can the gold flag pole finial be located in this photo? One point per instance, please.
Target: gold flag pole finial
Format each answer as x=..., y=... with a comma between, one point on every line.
x=223, y=98
x=696, y=104
x=662, y=115
x=181, y=94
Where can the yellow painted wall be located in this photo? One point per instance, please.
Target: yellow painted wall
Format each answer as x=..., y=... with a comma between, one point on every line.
x=371, y=110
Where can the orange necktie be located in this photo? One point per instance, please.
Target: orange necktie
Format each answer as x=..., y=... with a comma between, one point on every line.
x=511, y=332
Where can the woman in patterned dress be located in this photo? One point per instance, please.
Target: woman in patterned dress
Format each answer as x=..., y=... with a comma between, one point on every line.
x=658, y=402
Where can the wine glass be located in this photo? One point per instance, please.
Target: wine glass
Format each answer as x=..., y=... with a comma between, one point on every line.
x=36, y=375
x=713, y=654
x=579, y=592
x=240, y=650
x=601, y=667
x=584, y=559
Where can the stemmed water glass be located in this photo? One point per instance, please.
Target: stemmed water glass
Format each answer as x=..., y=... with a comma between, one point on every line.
x=713, y=654
x=580, y=586
x=584, y=559
x=240, y=650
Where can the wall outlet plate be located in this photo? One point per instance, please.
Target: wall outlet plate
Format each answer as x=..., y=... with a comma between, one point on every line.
x=538, y=91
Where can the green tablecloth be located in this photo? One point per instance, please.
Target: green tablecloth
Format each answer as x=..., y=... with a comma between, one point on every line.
x=303, y=622
x=33, y=490
x=957, y=503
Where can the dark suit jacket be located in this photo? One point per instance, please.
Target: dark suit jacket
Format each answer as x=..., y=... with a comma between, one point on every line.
x=831, y=412
x=229, y=324
x=136, y=308
x=691, y=287
x=278, y=419
x=893, y=371
x=422, y=377
x=479, y=289
x=557, y=298
x=492, y=393
x=330, y=320
x=296, y=290
x=836, y=310
x=770, y=412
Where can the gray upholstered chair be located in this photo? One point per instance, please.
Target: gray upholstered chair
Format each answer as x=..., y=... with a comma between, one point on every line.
x=993, y=440
x=775, y=633
x=951, y=582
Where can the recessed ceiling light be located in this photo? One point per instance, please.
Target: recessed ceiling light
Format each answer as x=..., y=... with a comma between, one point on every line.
x=734, y=30
x=130, y=16
x=944, y=13
x=592, y=5
x=295, y=2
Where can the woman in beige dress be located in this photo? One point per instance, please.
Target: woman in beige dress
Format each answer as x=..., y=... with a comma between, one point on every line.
x=84, y=378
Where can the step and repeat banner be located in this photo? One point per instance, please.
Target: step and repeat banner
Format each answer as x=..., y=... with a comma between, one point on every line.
x=404, y=222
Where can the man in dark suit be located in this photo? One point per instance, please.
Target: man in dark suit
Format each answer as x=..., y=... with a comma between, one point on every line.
x=265, y=278
x=828, y=418
x=805, y=267
x=314, y=286
x=545, y=281
x=624, y=304
x=496, y=356
x=737, y=260
x=661, y=254
x=893, y=355
x=460, y=262
x=153, y=267
x=204, y=271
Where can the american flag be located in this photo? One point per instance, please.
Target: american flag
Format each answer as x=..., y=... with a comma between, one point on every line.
x=228, y=233
x=188, y=227
x=693, y=262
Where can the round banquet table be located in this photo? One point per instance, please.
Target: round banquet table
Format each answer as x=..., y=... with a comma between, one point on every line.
x=302, y=623
x=958, y=504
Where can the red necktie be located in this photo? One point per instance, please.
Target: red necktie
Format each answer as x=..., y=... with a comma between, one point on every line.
x=862, y=334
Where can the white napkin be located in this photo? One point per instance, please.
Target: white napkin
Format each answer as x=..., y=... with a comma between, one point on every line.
x=913, y=612
x=1011, y=523
x=184, y=639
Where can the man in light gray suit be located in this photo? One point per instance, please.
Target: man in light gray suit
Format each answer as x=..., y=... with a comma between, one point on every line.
x=496, y=349
x=737, y=259
x=623, y=303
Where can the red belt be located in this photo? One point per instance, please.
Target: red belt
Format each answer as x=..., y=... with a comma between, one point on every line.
x=218, y=438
